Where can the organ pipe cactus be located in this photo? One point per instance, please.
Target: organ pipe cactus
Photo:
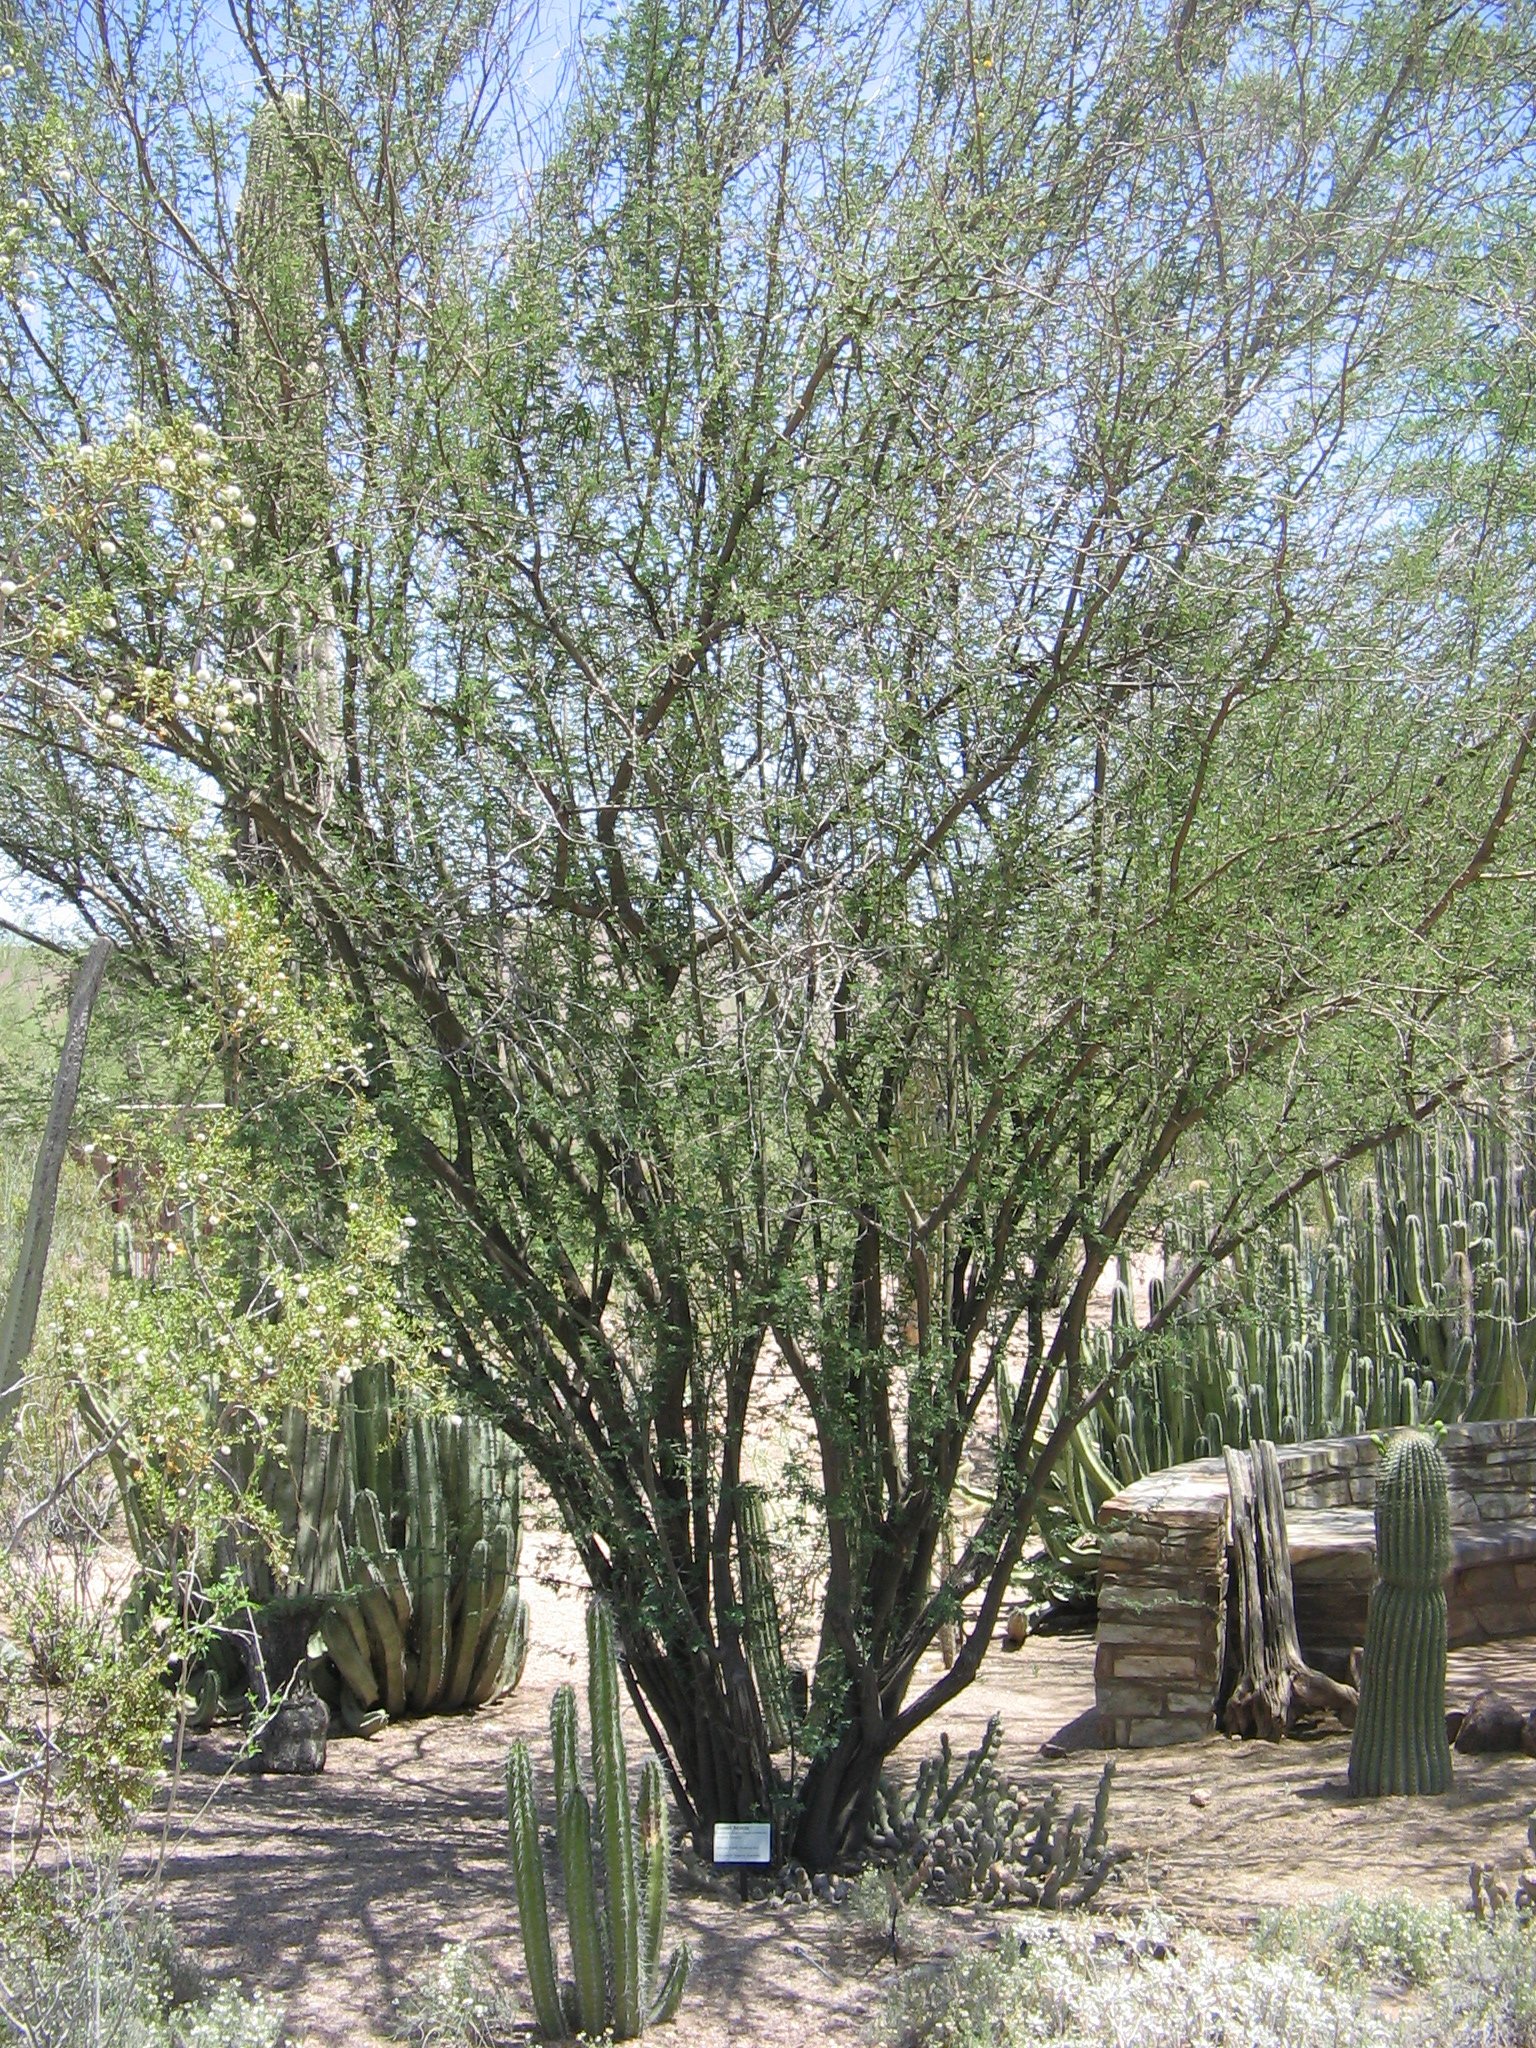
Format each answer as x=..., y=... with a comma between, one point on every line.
x=1399, y=1741
x=436, y=1623
x=409, y=1538
x=616, y=1888
x=1410, y=1298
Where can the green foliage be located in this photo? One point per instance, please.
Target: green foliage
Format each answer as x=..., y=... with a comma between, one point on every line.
x=1394, y=1938
x=459, y=2002
x=1490, y=1994
x=616, y=1877
x=83, y=1710
x=828, y=612
x=94, y=1971
x=1399, y=1743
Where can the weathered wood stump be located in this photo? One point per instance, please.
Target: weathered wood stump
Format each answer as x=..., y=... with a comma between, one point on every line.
x=1274, y=1686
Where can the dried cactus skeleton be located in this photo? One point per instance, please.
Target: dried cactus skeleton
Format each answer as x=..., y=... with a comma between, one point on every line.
x=975, y=1835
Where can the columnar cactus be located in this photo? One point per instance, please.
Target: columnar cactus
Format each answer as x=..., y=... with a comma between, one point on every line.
x=765, y=1647
x=438, y=1623
x=616, y=1893
x=532, y=1902
x=1399, y=1741
x=610, y=1776
x=281, y=413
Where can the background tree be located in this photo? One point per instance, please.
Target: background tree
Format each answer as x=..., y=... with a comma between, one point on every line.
x=919, y=644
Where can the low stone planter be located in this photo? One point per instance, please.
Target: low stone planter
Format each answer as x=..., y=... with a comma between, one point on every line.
x=1163, y=1571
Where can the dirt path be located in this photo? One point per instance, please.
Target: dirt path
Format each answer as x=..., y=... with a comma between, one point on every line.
x=335, y=1893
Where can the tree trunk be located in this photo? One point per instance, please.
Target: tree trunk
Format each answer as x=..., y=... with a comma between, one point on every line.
x=18, y=1325
x=835, y=1802
x=713, y=1743
x=1273, y=1684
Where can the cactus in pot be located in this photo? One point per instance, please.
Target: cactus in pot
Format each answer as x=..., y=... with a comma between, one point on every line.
x=1399, y=1742
x=616, y=1872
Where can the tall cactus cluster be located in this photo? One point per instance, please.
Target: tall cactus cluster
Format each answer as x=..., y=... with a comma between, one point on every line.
x=438, y=1622
x=405, y=1542
x=1399, y=1743
x=1411, y=1299
x=616, y=1865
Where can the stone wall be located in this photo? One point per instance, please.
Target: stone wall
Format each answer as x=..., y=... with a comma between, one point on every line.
x=1163, y=1570
x=1492, y=1468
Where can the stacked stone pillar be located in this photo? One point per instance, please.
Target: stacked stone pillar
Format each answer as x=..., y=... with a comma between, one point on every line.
x=1162, y=1608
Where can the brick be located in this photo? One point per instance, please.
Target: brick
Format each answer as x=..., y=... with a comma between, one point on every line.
x=1164, y=1664
x=1117, y=1548
x=1127, y=1704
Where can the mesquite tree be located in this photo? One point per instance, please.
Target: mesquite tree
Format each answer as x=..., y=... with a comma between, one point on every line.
x=925, y=639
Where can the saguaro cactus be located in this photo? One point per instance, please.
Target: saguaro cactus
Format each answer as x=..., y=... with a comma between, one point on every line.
x=616, y=1892
x=1399, y=1741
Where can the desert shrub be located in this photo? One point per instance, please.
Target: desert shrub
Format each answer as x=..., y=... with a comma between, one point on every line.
x=1394, y=1938
x=1077, y=1992
x=460, y=2003
x=83, y=1970
x=1488, y=2000
x=82, y=1720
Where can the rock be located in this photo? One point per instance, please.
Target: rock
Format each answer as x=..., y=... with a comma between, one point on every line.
x=292, y=1740
x=1528, y=1744
x=1490, y=1727
x=1454, y=1716
x=1199, y=1797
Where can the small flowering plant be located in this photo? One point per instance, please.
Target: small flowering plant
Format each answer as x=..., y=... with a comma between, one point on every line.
x=267, y=1256
x=126, y=588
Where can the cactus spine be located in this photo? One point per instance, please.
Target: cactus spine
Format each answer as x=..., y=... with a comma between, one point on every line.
x=615, y=1945
x=1399, y=1741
